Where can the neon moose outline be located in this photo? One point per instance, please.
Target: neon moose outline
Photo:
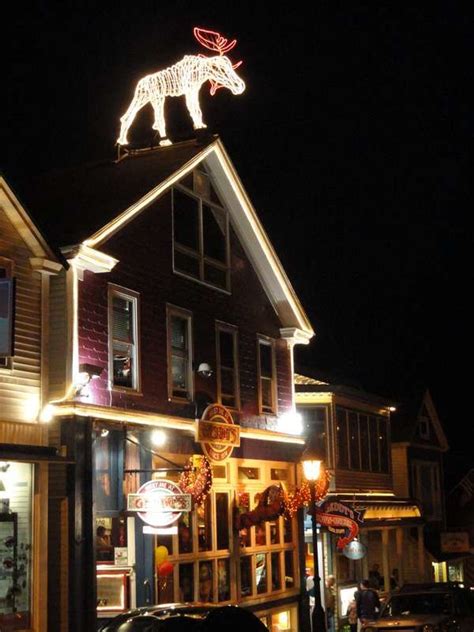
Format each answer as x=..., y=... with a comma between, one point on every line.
x=185, y=78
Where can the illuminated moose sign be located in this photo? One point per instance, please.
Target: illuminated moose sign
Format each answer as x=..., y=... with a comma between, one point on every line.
x=185, y=78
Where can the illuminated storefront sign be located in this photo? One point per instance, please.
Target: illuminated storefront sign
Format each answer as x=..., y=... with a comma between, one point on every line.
x=159, y=503
x=217, y=433
x=341, y=519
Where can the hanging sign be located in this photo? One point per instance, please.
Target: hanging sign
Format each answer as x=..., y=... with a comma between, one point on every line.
x=159, y=503
x=455, y=542
x=341, y=519
x=217, y=433
x=355, y=550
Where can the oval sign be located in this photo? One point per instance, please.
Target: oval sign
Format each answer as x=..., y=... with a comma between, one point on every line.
x=355, y=550
x=153, y=494
x=217, y=433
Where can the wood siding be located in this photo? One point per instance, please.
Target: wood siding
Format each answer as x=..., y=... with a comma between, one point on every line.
x=58, y=336
x=401, y=482
x=20, y=385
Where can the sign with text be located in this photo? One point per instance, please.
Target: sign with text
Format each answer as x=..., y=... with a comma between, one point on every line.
x=455, y=542
x=217, y=433
x=159, y=503
x=341, y=519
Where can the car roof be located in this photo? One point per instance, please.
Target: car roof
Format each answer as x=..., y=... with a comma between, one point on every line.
x=437, y=587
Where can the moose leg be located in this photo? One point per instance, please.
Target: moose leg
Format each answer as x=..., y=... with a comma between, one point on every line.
x=138, y=101
x=159, y=124
x=192, y=103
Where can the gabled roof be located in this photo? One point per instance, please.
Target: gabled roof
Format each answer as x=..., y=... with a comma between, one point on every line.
x=406, y=420
x=44, y=257
x=86, y=206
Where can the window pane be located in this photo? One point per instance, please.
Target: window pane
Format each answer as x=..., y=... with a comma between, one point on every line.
x=246, y=576
x=266, y=368
x=205, y=581
x=364, y=442
x=354, y=441
x=122, y=319
x=204, y=525
x=275, y=532
x=226, y=349
x=201, y=184
x=287, y=530
x=179, y=372
x=6, y=315
x=276, y=572
x=289, y=572
x=215, y=276
x=186, y=220
x=383, y=444
x=185, y=533
x=123, y=365
x=179, y=333
x=342, y=447
x=186, y=263
x=267, y=398
x=261, y=572
x=223, y=580
x=222, y=513
x=186, y=582
x=214, y=231
x=314, y=422
x=374, y=445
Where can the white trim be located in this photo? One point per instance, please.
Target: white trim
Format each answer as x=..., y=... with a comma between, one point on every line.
x=267, y=342
x=186, y=315
x=86, y=258
x=134, y=298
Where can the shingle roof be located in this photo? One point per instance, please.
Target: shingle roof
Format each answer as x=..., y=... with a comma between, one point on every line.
x=73, y=204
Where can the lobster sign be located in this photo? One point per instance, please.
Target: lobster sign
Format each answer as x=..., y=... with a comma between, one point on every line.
x=341, y=519
x=185, y=78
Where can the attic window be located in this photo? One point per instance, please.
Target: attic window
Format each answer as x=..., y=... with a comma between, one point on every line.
x=424, y=428
x=200, y=232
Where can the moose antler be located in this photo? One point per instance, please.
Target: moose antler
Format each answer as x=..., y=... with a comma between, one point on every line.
x=214, y=41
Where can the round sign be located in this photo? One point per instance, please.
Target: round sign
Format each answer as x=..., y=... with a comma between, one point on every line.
x=355, y=550
x=152, y=490
x=215, y=451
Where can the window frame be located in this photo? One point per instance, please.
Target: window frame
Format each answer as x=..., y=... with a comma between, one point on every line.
x=435, y=487
x=200, y=255
x=6, y=358
x=173, y=310
x=134, y=297
x=273, y=409
x=233, y=330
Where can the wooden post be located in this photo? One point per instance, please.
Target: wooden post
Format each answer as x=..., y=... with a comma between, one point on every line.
x=365, y=560
x=421, y=553
x=399, y=539
x=385, y=558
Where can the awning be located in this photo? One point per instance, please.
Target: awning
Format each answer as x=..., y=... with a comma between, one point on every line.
x=31, y=453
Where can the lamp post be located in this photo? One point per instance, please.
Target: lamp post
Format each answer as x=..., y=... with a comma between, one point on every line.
x=311, y=461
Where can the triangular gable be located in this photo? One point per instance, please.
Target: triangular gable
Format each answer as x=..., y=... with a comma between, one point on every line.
x=428, y=428
x=43, y=257
x=246, y=225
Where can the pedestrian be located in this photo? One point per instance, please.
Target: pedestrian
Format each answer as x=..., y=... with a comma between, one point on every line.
x=394, y=580
x=352, y=613
x=375, y=578
x=368, y=602
x=330, y=602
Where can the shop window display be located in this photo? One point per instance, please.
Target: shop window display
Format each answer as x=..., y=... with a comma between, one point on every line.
x=16, y=485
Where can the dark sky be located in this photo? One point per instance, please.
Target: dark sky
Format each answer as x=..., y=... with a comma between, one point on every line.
x=351, y=139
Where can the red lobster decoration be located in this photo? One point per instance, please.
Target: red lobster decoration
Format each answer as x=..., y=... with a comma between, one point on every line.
x=215, y=42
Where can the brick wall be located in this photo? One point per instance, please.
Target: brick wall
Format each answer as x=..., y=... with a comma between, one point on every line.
x=144, y=251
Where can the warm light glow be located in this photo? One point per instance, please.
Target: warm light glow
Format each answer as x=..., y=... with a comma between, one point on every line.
x=291, y=423
x=31, y=408
x=47, y=413
x=312, y=469
x=158, y=438
x=392, y=409
x=184, y=78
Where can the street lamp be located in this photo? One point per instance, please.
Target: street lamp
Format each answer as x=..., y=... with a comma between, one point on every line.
x=311, y=461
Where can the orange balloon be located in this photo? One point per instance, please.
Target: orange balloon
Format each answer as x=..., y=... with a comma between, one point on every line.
x=165, y=569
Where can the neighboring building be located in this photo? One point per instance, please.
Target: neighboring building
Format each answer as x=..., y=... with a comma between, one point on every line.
x=354, y=429
x=418, y=445
x=27, y=263
x=459, y=538
x=174, y=299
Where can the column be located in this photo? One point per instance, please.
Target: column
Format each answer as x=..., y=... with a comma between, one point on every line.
x=365, y=560
x=399, y=539
x=421, y=553
x=385, y=558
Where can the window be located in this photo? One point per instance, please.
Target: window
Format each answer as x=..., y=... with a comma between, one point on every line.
x=266, y=375
x=123, y=336
x=200, y=232
x=362, y=441
x=7, y=302
x=426, y=488
x=179, y=354
x=227, y=366
x=314, y=423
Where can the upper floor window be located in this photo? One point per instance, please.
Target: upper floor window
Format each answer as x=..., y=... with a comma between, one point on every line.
x=314, y=424
x=200, y=232
x=427, y=488
x=266, y=366
x=180, y=359
x=123, y=338
x=227, y=366
x=7, y=301
x=362, y=441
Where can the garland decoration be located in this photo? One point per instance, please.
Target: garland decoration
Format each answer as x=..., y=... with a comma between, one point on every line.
x=301, y=496
x=197, y=478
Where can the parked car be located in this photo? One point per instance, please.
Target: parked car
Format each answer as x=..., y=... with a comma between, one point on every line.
x=185, y=617
x=441, y=607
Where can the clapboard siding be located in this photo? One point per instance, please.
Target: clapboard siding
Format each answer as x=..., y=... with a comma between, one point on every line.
x=20, y=386
x=58, y=347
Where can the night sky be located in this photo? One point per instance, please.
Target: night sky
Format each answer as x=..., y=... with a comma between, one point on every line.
x=351, y=139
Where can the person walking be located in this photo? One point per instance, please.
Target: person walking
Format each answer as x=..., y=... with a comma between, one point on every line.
x=330, y=602
x=368, y=602
x=352, y=613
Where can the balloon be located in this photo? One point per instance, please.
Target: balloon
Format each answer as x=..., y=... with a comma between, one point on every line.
x=165, y=569
x=161, y=555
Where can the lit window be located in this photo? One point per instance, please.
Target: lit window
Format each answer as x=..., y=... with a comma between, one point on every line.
x=123, y=332
x=266, y=375
x=200, y=232
x=7, y=302
x=227, y=366
x=179, y=354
